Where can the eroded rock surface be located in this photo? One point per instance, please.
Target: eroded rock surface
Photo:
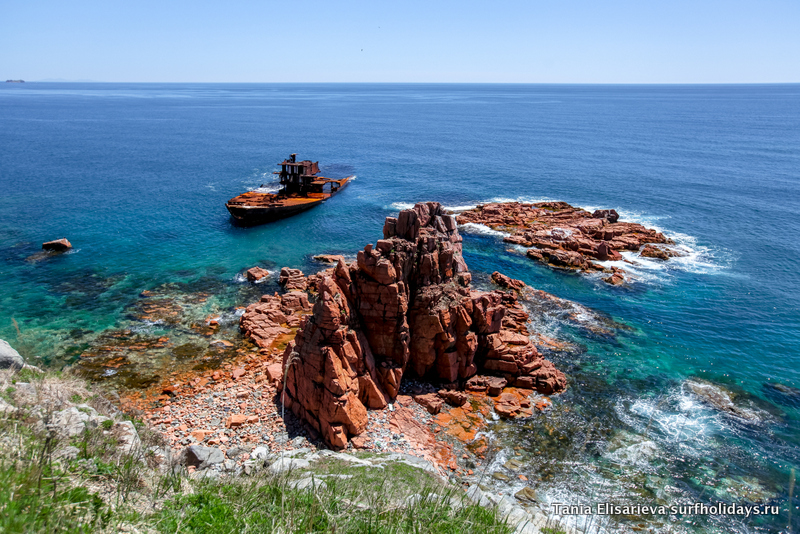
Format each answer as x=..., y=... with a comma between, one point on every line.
x=292, y=279
x=256, y=273
x=404, y=306
x=568, y=237
x=273, y=316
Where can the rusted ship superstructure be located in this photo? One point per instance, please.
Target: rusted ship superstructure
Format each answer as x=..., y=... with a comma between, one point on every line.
x=301, y=189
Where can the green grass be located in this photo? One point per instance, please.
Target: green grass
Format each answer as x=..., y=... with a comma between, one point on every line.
x=31, y=500
x=104, y=490
x=36, y=495
x=347, y=506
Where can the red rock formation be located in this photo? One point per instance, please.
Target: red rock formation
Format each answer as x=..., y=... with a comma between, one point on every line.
x=650, y=251
x=256, y=273
x=431, y=402
x=564, y=236
x=329, y=258
x=506, y=282
x=264, y=321
x=453, y=397
x=292, y=279
x=617, y=277
x=403, y=306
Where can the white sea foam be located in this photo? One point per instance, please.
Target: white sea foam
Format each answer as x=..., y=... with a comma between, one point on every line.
x=520, y=199
x=677, y=418
x=460, y=208
x=398, y=206
x=241, y=278
x=696, y=258
x=267, y=188
x=480, y=229
x=229, y=318
x=638, y=453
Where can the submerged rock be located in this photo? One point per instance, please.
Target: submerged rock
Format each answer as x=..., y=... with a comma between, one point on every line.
x=784, y=394
x=721, y=399
x=527, y=494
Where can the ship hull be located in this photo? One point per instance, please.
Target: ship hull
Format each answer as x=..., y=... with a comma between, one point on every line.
x=251, y=209
x=254, y=215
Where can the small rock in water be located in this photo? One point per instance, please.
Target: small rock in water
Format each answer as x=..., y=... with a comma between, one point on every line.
x=651, y=251
x=512, y=464
x=721, y=399
x=497, y=475
x=527, y=494
x=256, y=273
x=329, y=258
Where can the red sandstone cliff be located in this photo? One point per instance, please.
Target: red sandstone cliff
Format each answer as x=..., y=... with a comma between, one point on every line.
x=404, y=306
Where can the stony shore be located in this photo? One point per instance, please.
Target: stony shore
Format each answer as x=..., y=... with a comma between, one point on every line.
x=96, y=447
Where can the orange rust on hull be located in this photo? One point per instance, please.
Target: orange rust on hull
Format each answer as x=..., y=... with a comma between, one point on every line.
x=301, y=189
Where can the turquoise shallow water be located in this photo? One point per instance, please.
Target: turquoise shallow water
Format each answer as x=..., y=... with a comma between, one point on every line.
x=136, y=177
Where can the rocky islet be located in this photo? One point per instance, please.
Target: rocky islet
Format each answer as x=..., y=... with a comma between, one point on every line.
x=563, y=236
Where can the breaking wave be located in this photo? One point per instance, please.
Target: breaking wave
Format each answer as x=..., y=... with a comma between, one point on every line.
x=479, y=229
x=676, y=418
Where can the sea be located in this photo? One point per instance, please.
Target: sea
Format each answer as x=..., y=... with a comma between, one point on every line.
x=136, y=176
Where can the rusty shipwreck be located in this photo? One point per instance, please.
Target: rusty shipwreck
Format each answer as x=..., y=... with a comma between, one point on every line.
x=301, y=189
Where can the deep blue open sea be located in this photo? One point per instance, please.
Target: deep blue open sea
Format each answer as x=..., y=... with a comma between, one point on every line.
x=136, y=176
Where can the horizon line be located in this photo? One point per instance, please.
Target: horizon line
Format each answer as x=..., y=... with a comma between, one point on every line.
x=17, y=80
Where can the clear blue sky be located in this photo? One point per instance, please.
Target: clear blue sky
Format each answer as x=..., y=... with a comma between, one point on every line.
x=547, y=41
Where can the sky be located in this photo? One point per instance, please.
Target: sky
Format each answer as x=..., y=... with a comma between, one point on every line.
x=412, y=41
